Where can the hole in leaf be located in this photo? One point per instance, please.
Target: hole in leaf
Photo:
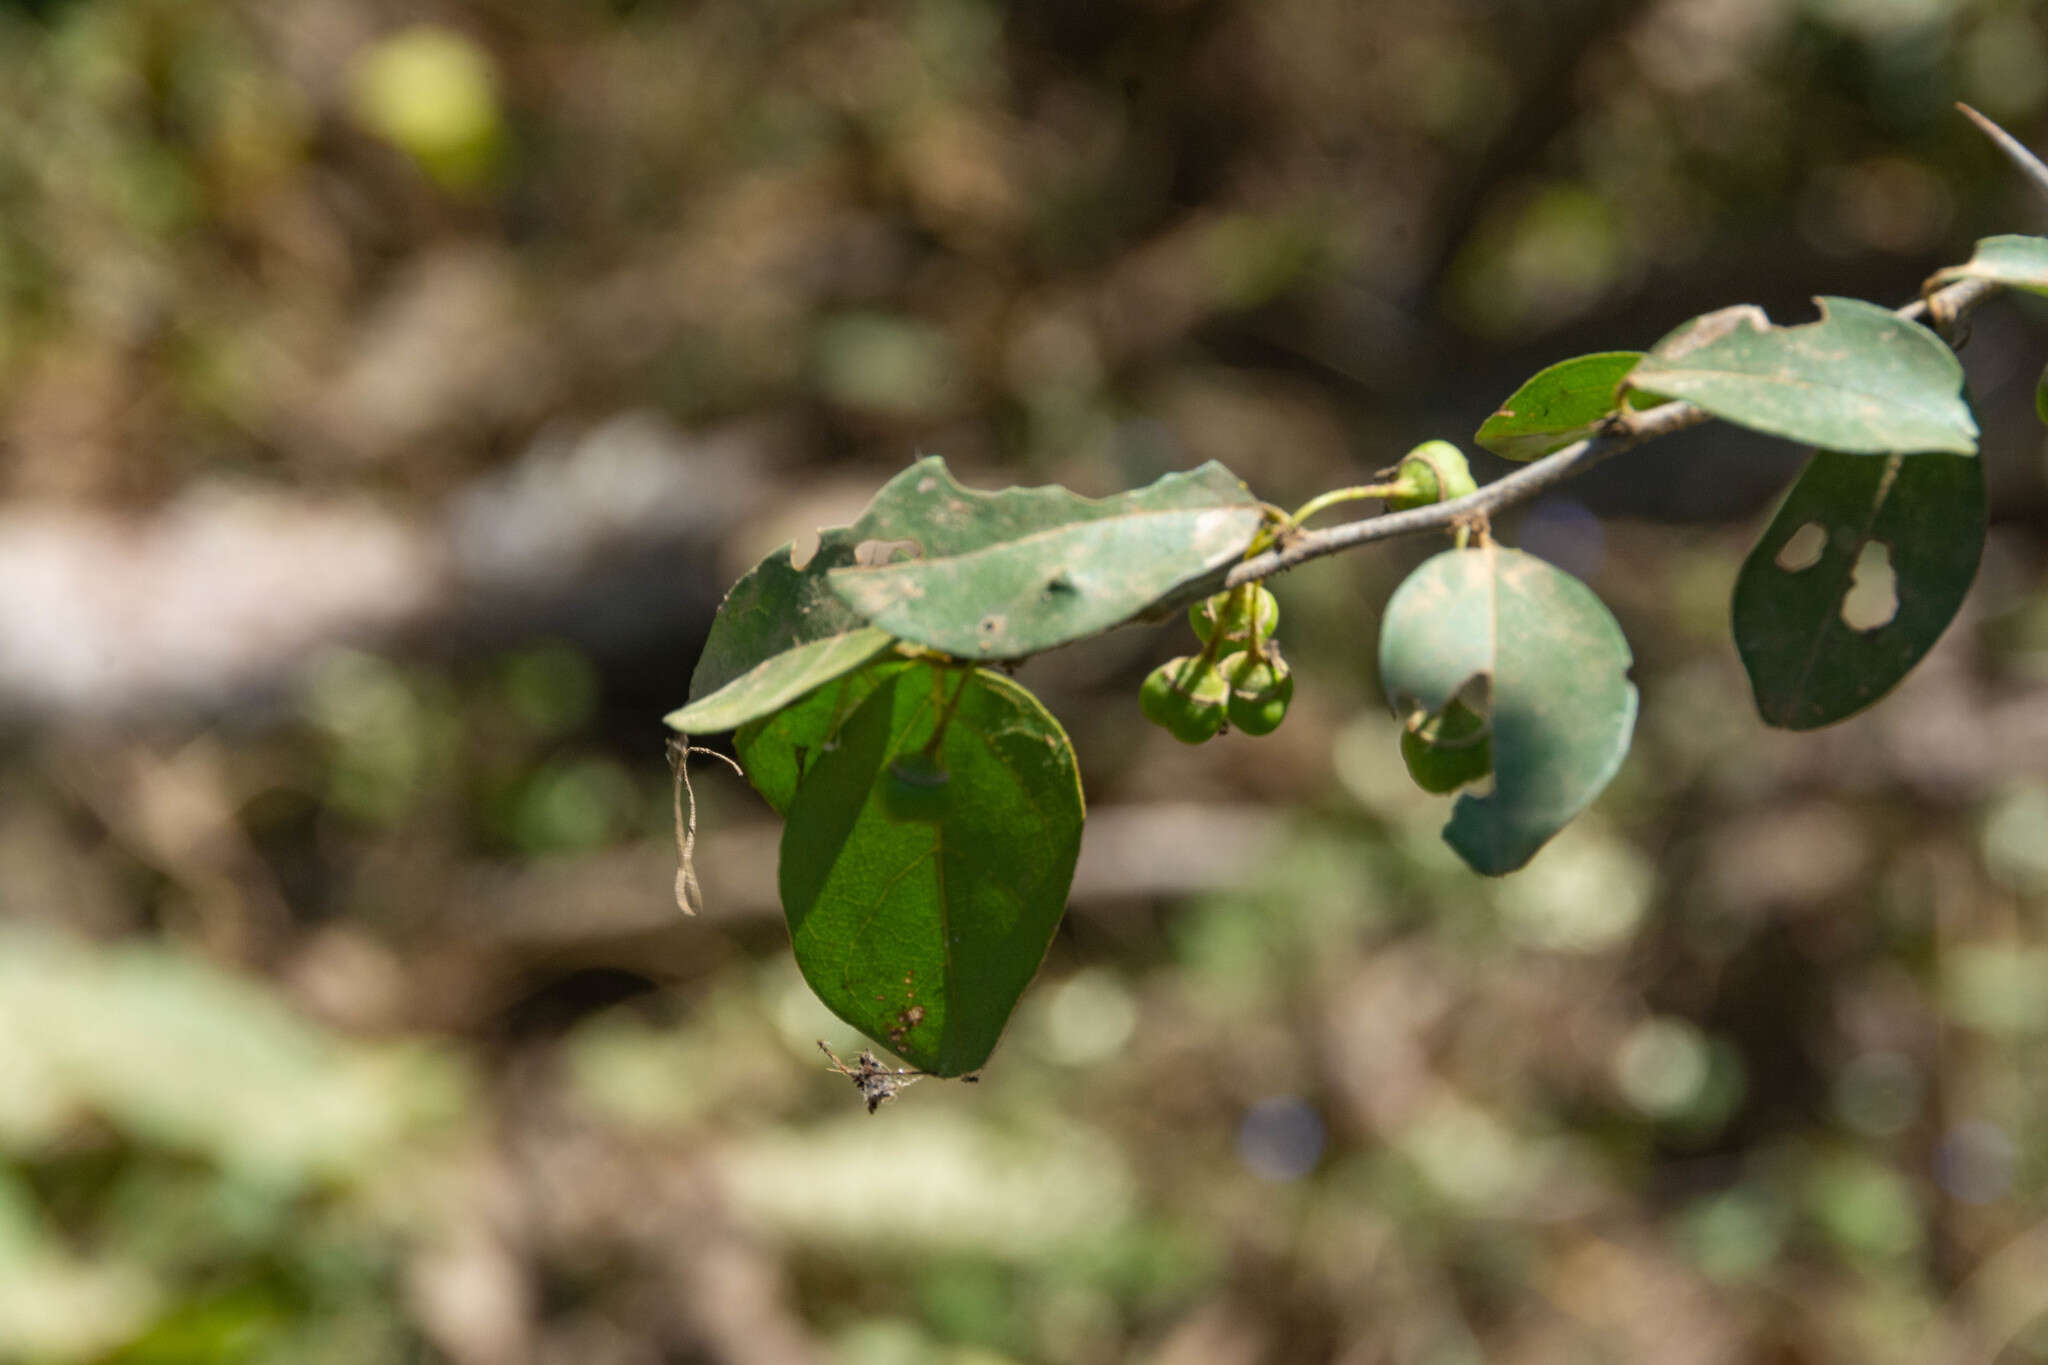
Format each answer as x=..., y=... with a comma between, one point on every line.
x=1803, y=548
x=1872, y=599
x=803, y=550
x=873, y=553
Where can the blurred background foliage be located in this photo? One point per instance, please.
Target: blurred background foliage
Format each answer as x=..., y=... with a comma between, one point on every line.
x=388, y=394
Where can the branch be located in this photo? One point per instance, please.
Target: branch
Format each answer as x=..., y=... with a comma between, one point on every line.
x=1624, y=431
x=2017, y=152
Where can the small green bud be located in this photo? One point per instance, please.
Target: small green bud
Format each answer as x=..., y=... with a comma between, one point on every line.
x=1433, y=472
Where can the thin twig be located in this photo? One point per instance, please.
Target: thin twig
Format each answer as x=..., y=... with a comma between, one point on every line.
x=2015, y=151
x=1624, y=431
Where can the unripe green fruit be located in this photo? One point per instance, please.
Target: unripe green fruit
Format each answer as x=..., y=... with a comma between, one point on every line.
x=1226, y=611
x=918, y=788
x=1156, y=695
x=1433, y=472
x=1189, y=705
x=1448, y=750
x=1260, y=690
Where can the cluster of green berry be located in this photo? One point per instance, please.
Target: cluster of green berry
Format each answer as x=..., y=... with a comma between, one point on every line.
x=1194, y=696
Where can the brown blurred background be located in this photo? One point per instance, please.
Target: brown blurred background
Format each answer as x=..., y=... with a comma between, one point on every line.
x=389, y=393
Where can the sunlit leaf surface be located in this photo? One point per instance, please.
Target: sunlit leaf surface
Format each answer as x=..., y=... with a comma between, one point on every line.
x=1002, y=575
x=1860, y=380
x=1559, y=405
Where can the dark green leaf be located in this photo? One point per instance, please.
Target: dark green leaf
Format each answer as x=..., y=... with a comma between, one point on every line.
x=1860, y=380
x=1808, y=664
x=1555, y=671
x=2014, y=261
x=923, y=932
x=775, y=751
x=1003, y=575
x=1560, y=405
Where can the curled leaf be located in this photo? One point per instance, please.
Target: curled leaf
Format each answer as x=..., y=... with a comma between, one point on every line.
x=1555, y=668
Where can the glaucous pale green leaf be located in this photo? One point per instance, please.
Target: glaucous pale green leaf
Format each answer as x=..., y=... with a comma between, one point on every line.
x=1856, y=577
x=1860, y=380
x=1003, y=575
x=1560, y=405
x=1555, y=670
x=2014, y=261
x=776, y=750
x=923, y=932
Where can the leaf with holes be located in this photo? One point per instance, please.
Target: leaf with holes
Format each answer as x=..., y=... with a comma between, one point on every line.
x=922, y=932
x=1554, y=667
x=2013, y=261
x=1854, y=580
x=1860, y=380
x=1565, y=403
x=1003, y=575
x=777, y=750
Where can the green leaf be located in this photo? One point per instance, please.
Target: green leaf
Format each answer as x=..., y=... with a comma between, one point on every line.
x=1562, y=404
x=777, y=680
x=922, y=933
x=782, y=631
x=1003, y=575
x=1798, y=600
x=1555, y=671
x=2013, y=261
x=1860, y=380
x=776, y=750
